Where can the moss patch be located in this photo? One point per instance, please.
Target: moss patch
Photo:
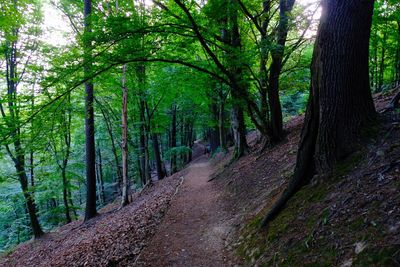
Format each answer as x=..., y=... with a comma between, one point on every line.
x=344, y=167
x=384, y=256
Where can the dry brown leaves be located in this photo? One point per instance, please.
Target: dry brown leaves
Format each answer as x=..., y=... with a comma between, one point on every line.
x=114, y=238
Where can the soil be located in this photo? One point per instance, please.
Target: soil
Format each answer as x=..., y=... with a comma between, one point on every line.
x=195, y=228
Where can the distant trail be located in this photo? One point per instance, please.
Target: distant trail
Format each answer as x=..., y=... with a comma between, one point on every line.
x=194, y=229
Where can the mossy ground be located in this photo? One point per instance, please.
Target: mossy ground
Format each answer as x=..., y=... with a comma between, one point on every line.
x=307, y=233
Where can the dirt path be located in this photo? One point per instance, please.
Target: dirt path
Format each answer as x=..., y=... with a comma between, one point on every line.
x=195, y=227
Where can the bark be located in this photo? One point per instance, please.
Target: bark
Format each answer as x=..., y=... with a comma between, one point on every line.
x=124, y=144
x=340, y=103
x=90, y=210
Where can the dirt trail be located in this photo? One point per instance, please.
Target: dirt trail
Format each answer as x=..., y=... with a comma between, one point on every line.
x=194, y=230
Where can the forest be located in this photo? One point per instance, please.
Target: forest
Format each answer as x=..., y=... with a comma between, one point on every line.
x=123, y=122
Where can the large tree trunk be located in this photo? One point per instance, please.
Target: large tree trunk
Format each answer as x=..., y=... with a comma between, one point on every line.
x=124, y=145
x=340, y=103
x=90, y=210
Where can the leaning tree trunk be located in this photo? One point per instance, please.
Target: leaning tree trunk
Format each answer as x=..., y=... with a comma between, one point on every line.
x=340, y=103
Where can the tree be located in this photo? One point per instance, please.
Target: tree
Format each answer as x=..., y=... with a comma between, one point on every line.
x=124, y=145
x=90, y=210
x=13, y=51
x=340, y=105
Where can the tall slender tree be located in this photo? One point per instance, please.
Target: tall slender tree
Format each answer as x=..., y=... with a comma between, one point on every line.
x=90, y=210
x=124, y=141
x=14, y=72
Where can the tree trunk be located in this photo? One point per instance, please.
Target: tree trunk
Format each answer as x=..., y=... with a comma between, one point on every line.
x=174, y=167
x=30, y=202
x=238, y=89
x=18, y=156
x=124, y=145
x=398, y=53
x=90, y=210
x=214, y=136
x=382, y=64
x=65, y=195
x=340, y=103
x=113, y=148
x=239, y=131
x=157, y=157
x=285, y=6
x=221, y=124
x=72, y=204
x=101, y=179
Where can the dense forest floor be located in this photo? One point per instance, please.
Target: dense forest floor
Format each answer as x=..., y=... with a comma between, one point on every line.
x=351, y=219
x=114, y=238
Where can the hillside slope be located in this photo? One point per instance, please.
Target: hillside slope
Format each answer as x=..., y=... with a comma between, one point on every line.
x=353, y=219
